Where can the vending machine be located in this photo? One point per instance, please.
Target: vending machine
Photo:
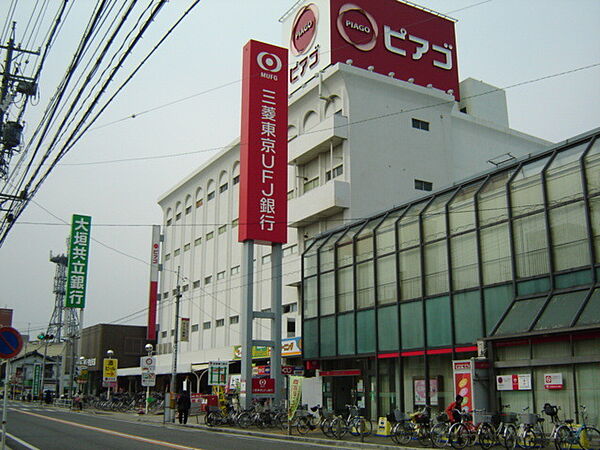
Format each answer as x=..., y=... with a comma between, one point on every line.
x=471, y=381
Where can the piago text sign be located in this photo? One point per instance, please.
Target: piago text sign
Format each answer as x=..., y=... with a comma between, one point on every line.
x=78, y=261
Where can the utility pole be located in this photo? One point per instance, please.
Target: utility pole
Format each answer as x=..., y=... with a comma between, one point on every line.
x=173, y=386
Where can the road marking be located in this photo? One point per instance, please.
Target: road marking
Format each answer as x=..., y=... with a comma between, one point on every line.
x=113, y=433
x=22, y=442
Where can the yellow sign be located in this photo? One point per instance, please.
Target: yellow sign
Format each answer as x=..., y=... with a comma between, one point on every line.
x=109, y=370
x=257, y=352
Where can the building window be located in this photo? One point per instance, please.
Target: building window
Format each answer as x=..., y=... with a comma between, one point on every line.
x=169, y=222
x=198, y=241
x=236, y=180
x=291, y=307
x=199, y=202
x=173, y=332
x=165, y=295
x=174, y=292
x=420, y=124
x=234, y=223
x=220, y=323
x=188, y=210
x=223, y=188
x=234, y=319
x=266, y=259
x=159, y=297
x=186, y=287
x=221, y=275
x=266, y=310
x=163, y=334
x=423, y=185
x=167, y=256
x=235, y=269
x=178, y=216
x=311, y=184
x=210, y=196
x=208, y=279
x=289, y=250
x=463, y=110
x=196, y=284
x=291, y=327
x=177, y=252
x=194, y=328
x=186, y=247
x=336, y=172
x=222, y=229
x=206, y=326
x=209, y=236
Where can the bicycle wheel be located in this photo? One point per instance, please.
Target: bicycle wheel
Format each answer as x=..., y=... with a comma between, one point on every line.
x=562, y=437
x=589, y=438
x=325, y=427
x=282, y=419
x=303, y=425
x=402, y=433
x=339, y=428
x=364, y=426
x=424, y=435
x=244, y=420
x=485, y=436
x=527, y=439
x=460, y=436
x=439, y=435
x=509, y=437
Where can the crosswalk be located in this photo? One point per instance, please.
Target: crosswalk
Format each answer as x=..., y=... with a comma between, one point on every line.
x=19, y=406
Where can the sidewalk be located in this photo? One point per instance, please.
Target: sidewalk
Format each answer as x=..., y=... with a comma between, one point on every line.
x=315, y=436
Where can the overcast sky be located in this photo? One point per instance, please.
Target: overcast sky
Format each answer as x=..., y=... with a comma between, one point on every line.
x=502, y=42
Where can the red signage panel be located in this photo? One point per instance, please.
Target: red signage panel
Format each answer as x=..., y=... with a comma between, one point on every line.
x=389, y=36
x=263, y=144
x=153, y=294
x=263, y=385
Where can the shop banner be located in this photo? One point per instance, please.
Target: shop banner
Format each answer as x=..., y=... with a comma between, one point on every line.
x=553, y=381
x=153, y=294
x=419, y=387
x=515, y=382
x=37, y=377
x=184, y=335
x=109, y=370
x=463, y=382
x=295, y=390
x=218, y=372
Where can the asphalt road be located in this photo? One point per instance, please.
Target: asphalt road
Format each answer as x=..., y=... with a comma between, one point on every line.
x=35, y=427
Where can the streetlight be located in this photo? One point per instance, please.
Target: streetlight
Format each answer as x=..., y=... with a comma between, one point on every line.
x=149, y=348
x=110, y=354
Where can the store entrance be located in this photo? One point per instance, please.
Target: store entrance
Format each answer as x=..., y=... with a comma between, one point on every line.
x=342, y=388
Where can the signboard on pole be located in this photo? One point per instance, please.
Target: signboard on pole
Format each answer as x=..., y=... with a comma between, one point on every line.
x=263, y=144
x=218, y=372
x=263, y=385
x=148, y=366
x=109, y=370
x=295, y=395
x=184, y=335
x=78, y=261
x=153, y=296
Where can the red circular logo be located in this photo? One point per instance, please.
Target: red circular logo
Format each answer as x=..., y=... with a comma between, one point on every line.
x=304, y=29
x=357, y=27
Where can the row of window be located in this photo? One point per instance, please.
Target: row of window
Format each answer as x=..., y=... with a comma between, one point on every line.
x=199, y=202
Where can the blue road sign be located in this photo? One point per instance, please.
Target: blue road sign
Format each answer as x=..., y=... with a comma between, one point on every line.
x=10, y=342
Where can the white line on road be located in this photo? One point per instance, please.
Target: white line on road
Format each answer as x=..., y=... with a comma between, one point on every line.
x=22, y=442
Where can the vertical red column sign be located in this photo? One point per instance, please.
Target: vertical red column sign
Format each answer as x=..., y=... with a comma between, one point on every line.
x=263, y=144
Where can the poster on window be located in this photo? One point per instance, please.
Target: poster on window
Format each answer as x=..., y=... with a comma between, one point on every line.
x=420, y=389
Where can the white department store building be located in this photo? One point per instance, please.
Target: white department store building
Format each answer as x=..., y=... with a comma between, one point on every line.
x=359, y=143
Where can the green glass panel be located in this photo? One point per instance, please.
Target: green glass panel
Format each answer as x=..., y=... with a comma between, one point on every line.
x=386, y=279
x=327, y=336
x=521, y=315
x=592, y=168
x=326, y=297
x=561, y=310
x=345, y=333
x=365, y=331
x=531, y=247
x=590, y=314
x=411, y=325
x=439, y=321
x=569, y=236
x=467, y=317
x=579, y=278
x=310, y=297
x=387, y=326
x=533, y=286
x=496, y=299
x=491, y=201
x=310, y=338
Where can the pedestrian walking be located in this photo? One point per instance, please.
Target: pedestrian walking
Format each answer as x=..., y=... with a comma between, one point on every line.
x=184, y=404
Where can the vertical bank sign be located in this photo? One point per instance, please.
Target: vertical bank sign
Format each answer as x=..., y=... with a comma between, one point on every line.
x=388, y=37
x=78, y=261
x=152, y=298
x=263, y=144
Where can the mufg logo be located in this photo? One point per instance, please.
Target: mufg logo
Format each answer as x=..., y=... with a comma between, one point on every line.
x=270, y=65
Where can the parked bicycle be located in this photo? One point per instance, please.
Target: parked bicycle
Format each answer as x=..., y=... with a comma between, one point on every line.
x=530, y=433
x=354, y=423
x=584, y=436
x=466, y=434
x=415, y=426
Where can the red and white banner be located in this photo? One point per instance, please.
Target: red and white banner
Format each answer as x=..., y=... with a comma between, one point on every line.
x=553, y=381
x=152, y=298
x=386, y=37
x=263, y=385
x=263, y=144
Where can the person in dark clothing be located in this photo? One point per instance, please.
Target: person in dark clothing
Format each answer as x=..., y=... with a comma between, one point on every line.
x=454, y=409
x=184, y=404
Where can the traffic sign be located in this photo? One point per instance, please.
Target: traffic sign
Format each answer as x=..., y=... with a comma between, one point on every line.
x=11, y=342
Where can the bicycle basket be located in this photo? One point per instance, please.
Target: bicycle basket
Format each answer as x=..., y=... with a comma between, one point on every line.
x=400, y=416
x=421, y=418
x=528, y=418
x=509, y=417
x=481, y=417
x=442, y=417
